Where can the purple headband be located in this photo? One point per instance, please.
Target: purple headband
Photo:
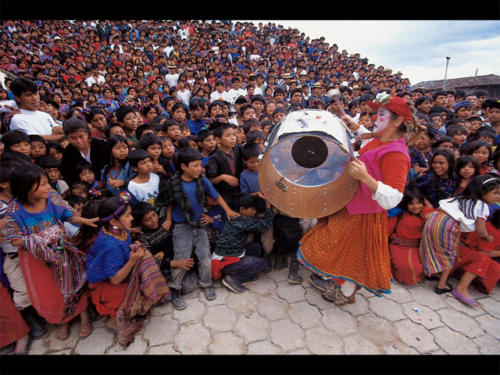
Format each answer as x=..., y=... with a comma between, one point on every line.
x=124, y=199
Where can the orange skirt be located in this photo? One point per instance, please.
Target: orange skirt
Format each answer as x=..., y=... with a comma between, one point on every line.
x=353, y=248
x=107, y=297
x=12, y=325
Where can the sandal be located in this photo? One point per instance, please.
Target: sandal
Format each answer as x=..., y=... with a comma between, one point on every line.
x=338, y=297
x=442, y=291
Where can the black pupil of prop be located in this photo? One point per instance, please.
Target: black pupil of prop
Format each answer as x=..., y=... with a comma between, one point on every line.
x=309, y=152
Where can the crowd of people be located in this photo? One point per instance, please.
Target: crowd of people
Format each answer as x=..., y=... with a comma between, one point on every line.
x=130, y=158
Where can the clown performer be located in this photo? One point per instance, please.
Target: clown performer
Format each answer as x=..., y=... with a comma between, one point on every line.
x=349, y=249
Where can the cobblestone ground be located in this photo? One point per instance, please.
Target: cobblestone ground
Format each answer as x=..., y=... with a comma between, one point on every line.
x=275, y=317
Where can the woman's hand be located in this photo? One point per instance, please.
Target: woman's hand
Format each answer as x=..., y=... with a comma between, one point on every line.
x=357, y=169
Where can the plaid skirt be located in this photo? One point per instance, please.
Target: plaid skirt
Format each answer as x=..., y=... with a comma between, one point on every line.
x=439, y=243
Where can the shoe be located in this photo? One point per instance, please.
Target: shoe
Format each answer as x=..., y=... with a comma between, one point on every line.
x=280, y=262
x=177, y=300
x=232, y=285
x=319, y=283
x=210, y=294
x=468, y=301
x=31, y=317
x=442, y=291
x=252, y=280
x=293, y=276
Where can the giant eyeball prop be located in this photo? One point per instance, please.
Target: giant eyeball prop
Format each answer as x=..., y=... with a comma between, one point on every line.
x=303, y=170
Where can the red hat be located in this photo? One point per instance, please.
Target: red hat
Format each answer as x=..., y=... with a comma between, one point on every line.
x=396, y=104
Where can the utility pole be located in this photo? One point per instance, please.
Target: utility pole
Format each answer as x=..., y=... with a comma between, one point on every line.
x=446, y=72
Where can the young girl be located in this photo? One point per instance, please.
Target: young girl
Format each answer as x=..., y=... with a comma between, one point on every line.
x=421, y=152
x=38, y=146
x=54, y=278
x=152, y=145
x=467, y=168
x=167, y=155
x=475, y=259
x=97, y=119
x=55, y=150
x=404, y=242
x=124, y=280
x=465, y=213
x=117, y=173
x=439, y=182
x=481, y=151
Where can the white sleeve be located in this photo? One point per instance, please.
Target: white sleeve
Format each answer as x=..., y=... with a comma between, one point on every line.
x=20, y=124
x=387, y=197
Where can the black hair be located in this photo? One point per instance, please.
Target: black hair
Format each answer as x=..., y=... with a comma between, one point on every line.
x=147, y=140
x=108, y=128
x=496, y=220
x=137, y=156
x=410, y=193
x=250, y=150
x=147, y=109
x=123, y=111
x=141, y=129
x=185, y=156
x=245, y=200
x=56, y=145
x=82, y=166
x=184, y=142
x=85, y=237
x=422, y=99
x=140, y=210
x=108, y=207
x=459, y=94
x=76, y=199
x=255, y=135
x=438, y=93
x=455, y=129
x=15, y=157
x=21, y=85
x=196, y=103
x=203, y=134
x=170, y=122
x=241, y=100
x=469, y=147
x=47, y=162
x=213, y=104
x=14, y=137
x=180, y=105
x=464, y=160
x=245, y=107
x=6, y=170
x=260, y=98
x=93, y=112
x=475, y=191
x=221, y=128
x=25, y=179
x=450, y=158
x=36, y=138
x=75, y=124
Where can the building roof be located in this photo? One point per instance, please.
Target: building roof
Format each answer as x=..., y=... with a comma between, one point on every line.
x=459, y=83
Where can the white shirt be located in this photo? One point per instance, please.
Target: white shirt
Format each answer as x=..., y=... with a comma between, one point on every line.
x=91, y=80
x=172, y=79
x=481, y=211
x=218, y=96
x=184, y=97
x=146, y=192
x=33, y=122
x=233, y=94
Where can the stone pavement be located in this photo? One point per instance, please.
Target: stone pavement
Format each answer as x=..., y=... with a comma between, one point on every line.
x=275, y=317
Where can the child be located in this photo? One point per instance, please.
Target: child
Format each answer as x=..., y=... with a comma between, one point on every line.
x=152, y=145
x=38, y=146
x=404, y=242
x=172, y=130
x=128, y=120
x=185, y=197
x=467, y=168
x=118, y=172
x=35, y=210
x=458, y=133
x=80, y=189
x=97, y=119
x=120, y=274
x=77, y=203
x=233, y=257
x=437, y=123
x=185, y=132
x=475, y=258
x=481, y=151
x=11, y=266
x=189, y=141
x=206, y=144
x=439, y=182
x=17, y=141
x=465, y=213
x=55, y=150
x=51, y=167
x=167, y=156
x=159, y=242
x=257, y=137
x=144, y=187
x=249, y=178
x=224, y=165
x=421, y=152
x=197, y=123
x=87, y=176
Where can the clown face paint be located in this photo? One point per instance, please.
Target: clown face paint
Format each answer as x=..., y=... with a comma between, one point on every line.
x=383, y=118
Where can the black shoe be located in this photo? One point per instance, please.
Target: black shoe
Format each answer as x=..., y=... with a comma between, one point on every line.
x=281, y=262
x=34, y=322
x=293, y=276
x=269, y=265
x=319, y=283
x=252, y=280
x=232, y=285
x=445, y=290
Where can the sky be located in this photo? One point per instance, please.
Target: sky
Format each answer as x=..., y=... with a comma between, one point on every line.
x=416, y=48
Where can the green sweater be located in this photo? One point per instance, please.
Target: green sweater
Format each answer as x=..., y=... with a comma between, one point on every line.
x=231, y=242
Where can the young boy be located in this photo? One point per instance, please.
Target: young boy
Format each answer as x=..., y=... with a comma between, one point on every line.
x=159, y=242
x=249, y=178
x=128, y=120
x=18, y=141
x=185, y=198
x=144, y=187
x=207, y=145
x=256, y=137
x=224, y=166
x=51, y=166
x=38, y=146
x=173, y=131
x=233, y=257
x=197, y=110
